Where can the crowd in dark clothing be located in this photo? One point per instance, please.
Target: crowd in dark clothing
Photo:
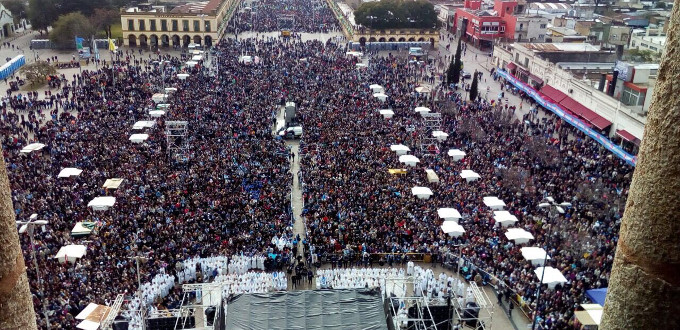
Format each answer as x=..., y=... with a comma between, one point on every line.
x=292, y=15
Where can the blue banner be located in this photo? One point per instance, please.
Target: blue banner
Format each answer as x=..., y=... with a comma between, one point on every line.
x=573, y=121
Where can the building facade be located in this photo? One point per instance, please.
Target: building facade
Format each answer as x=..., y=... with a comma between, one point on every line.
x=158, y=26
x=6, y=22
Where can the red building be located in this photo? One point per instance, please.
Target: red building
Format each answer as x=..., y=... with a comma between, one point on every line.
x=483, y=26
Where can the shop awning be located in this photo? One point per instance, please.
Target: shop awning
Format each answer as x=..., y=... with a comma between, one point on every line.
x=600, y=122
x=553, y=93
x=536, y=79
x=627, y=136
x=511, y=66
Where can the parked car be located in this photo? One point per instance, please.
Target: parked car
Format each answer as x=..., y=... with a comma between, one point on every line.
x=293, y=132
x=465, y=74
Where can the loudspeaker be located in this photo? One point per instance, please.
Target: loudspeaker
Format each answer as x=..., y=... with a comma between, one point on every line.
x=210, y=314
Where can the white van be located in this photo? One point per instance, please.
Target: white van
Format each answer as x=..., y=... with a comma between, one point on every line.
x=294, y=132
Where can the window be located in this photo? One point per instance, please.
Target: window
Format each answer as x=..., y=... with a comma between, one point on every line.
x=502, y=29
x=142, y=25
x=152, y=25
x=207, y=26
x=517, y=58
x=185, y=25
x=131, y=25
x=632, y=97
x=541, y=37
x=174, y=25
x=197, y=26
x=526, y=62
x=164, y=25
x=543, y=26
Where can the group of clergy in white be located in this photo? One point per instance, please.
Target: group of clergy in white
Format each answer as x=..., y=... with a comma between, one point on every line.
x=252, y=282
x=350, y=278
x=159, y=287
x=237, y=265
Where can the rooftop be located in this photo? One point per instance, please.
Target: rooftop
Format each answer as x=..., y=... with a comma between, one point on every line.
x=201, y=7
x=560, y=47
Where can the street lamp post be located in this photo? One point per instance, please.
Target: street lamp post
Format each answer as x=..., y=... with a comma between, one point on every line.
x=30, y=226
x=203, y=16
x=550, y=204
x=139, y=285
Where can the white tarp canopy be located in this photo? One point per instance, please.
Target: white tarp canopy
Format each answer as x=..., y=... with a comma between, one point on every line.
x=449, y=214
x=197, y=58
x=552, y=276
x=170, y=89
x=519, y=235
x=197, y=52
x=456, y=154
x=92, y=315
x=69, y=172
x=355, y=54
x=422, y=109
x=591, y=315
x=534, y=254
x=71, y=253
x=162, y=106
x=156, y=113
x=440, y=135
x=142, y=124
x=452, y=228
x=361, y=66
x=191, y=63
x=409, y=160
x=159, y=97
x=504, y=218
x=380, y=96
x=432, y=176
x=375, y=88
x=102, y=203
x=138, y=138
x=494, y=203
x=400, y=149
x=469, y=175
x=387, y=113
x=32, y=147
x=112, y=183
x=421, y=192
x=423, y=89
x=182, y=76
x=80, y=229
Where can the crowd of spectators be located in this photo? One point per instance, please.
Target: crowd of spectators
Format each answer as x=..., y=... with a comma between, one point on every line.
x=293, y=15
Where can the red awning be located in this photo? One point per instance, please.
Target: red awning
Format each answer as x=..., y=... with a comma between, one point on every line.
x=627, y=136
x=511, y=66
x=600, y=122
x=536, y=79
x=553, y=93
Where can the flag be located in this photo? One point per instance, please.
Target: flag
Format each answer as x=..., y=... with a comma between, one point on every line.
x=112, y=46
x=79, y=42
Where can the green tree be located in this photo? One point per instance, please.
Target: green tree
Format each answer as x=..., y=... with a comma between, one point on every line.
x=18, y=9
x=473, y=87
x=42, y=13
x=103, y=18
x=67, y=27
x=449, y=73
x=36, y=73
x=456, y=64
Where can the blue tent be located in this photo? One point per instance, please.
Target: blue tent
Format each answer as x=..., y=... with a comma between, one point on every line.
x=597, y=295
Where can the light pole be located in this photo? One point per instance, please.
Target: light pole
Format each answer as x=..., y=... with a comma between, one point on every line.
x=550, y=204
x=203, y=16
x=139, y=286
x=30, y=226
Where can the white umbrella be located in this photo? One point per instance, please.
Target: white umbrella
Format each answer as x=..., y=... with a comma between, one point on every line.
x=380, y=96
x=400, y=149
x=534, y=254
x=469, y=175
x=138, y=138
x=182, y=76
x=102, y=203
x=551, y=277
x=421, y=192
x=422, y=109
x=69, y=172
x=112, y=183
x=493, y=202
x=449, y=214
x=71, y=253
x=409, y=160
x=504, y=218
x=142, y=124
x=440, y=135
x=156, y=113
x=519, y=235
x=456, y=154
x=32, y=147
x=387, y=113
x=376, y=88
x=452, y=228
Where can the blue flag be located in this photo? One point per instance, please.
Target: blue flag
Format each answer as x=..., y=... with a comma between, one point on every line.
x=79, y=42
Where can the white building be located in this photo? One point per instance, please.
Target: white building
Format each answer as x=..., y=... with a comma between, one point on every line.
x=6, y=22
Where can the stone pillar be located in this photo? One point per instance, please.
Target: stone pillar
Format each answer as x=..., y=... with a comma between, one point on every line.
x=643, y=290
x=16, y=306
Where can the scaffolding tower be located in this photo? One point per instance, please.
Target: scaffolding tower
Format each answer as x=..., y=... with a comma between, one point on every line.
x=113, y=312
x=432, y=121
x=399, y=296
x=206, y=295
x=176, y=138
x=465, y=314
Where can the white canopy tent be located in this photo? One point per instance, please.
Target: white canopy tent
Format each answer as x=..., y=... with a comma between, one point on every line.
x=191, y=63
x=519, y=235
x=422, y=192
x=432, y=176
x=162, y=106
x=32, y=147
x=469, y=175
x=170, y=89
x=361, y=66
x=197, y=52
x=380, y=96
x=534, y=254
x=387, y=113
x=423, y=89
x=409, y=160
x=112, y=183
x=92, y=315
x=355, y=54
x=400, y=149
x=71, y=253
x=494, y=203
x=159, y=97
x=102, y=203
x=452, y=228
x=552, y=276
x=504, y=218
x=182, y=76
x=590, y=315
x=440, y=135
x=375, y=88
x=81, y=229
x=69, y=172
x=142, y=124
x=197, y=58
x=449, y=214
x=456, y=154
x=422, y=110
x=138, y=138
x=156, y=113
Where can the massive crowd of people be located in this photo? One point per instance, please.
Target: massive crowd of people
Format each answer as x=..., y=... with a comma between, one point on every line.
x=228, y=193
x=292, y=15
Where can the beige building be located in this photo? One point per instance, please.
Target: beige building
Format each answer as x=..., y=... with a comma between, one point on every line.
x=202, y=23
